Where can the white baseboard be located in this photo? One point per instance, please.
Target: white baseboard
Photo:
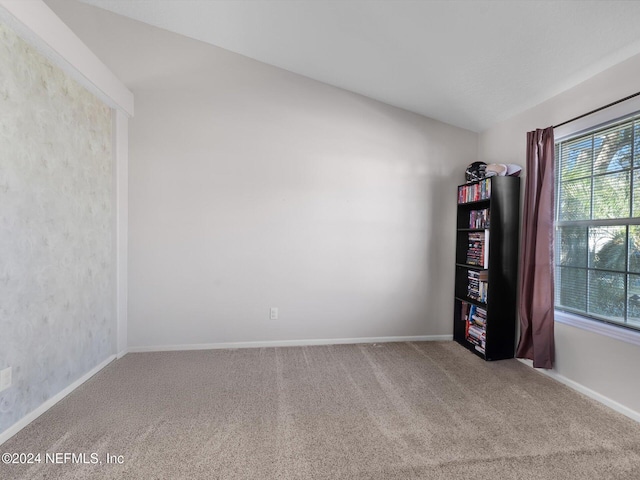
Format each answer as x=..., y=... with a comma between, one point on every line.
x=122, y=353
x=30, y=417
x=289, y=343
x=618, y=407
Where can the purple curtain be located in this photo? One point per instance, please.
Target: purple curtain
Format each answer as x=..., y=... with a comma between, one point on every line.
x=536, y=261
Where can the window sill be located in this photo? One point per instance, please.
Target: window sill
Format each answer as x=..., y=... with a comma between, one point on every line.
x=612, y=331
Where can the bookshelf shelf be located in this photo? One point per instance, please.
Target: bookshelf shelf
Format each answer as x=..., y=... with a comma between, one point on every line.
x=475, y=203
x=487, y=266
x=472, y=301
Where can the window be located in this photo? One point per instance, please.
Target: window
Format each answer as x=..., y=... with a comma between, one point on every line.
x=597, y=255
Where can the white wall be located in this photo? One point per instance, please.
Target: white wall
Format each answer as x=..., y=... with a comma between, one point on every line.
x=335, y=211
x=252, y=187
x=599, y=363
x=121, y=226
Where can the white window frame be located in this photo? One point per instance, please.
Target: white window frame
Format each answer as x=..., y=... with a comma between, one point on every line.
x=617, y=112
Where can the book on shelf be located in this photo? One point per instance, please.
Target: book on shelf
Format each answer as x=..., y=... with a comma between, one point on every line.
x=478, y=316
x=479, y=218
x=475, y=192
x=476, y=326
x=464, y=316
x=478, y=249
x=477, y=285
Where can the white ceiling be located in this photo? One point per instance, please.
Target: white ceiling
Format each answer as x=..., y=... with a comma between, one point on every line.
x=467, y=63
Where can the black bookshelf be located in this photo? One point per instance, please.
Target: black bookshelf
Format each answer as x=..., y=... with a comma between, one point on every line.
x=493, y=259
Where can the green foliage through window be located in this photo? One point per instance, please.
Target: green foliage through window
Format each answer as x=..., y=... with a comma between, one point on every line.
x=597, y=248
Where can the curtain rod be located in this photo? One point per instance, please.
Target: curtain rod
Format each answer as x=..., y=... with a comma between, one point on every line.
x=598, y=109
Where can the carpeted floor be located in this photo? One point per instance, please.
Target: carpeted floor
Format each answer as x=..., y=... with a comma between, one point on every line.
x=389, y=411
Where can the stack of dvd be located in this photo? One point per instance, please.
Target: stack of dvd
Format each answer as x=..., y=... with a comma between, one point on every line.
x=475, y=252
x=479, y=218
x=477, y=285
x=476, y=331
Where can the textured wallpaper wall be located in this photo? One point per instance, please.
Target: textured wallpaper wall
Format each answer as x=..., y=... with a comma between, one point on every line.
x=56, y=267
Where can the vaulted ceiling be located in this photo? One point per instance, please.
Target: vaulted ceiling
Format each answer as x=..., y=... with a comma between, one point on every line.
x=467, y=63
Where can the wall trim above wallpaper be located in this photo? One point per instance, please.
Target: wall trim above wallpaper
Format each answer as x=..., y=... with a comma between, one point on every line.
x=291, y=343
x=35, y=22
x=26, y=420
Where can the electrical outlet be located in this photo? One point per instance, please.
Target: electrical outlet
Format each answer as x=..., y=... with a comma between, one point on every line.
x=5, y=378
x=273, y=313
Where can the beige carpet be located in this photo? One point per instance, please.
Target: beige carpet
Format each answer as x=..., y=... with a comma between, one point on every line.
x=388, y=411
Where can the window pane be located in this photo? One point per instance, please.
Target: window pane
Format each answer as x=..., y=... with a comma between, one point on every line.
x=571, y=246
x=574, y=199
x=606, y=295
x=634, y=248
x=633, y=297
x=612, y=149
x=636, y=193
x=611, y=196
x=597, y=251
x=576, y=159
x=571, y=288
x=607, y=247
x=636, y=143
